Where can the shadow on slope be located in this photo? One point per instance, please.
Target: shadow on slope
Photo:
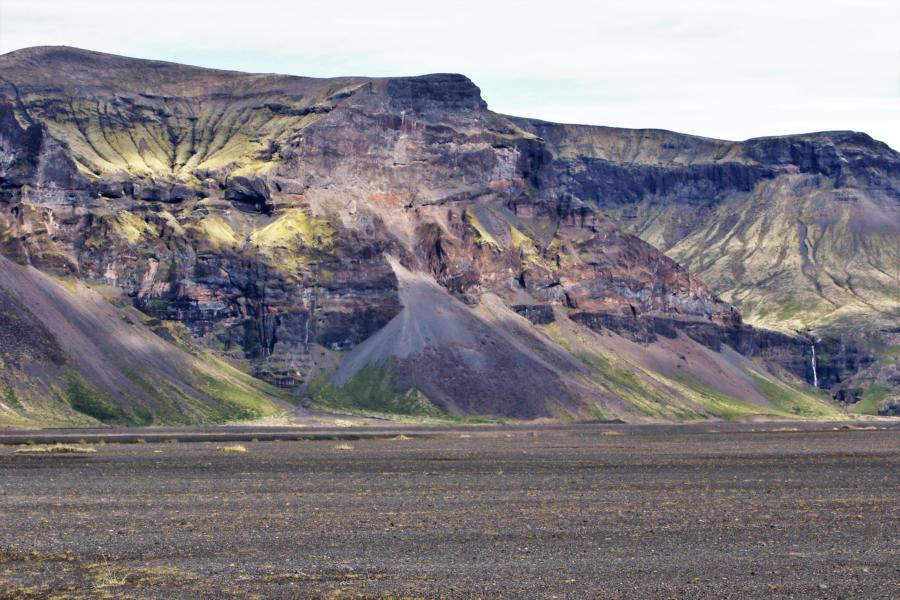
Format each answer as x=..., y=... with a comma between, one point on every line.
x=70, y=358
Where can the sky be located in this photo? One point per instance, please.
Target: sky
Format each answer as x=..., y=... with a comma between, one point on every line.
x=719, y=68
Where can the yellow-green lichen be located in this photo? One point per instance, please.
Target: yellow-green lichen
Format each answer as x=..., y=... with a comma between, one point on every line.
x=483, y=236
x=217, y=232
x=131, y=227
x=172, y=223
x=291, y=237
x=526, y=246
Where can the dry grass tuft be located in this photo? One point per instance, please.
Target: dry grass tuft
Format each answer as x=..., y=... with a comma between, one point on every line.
x=56, y=449
x=237, y=448
x=343, y=447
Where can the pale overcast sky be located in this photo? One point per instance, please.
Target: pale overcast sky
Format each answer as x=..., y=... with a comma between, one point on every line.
x=719, y=68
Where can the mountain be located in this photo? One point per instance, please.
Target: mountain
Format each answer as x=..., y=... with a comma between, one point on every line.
x=801, y=233
x=379, y=245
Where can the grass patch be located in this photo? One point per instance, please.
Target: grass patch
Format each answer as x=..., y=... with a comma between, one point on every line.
x=483, y=236
x=792, y=401
x=624, y=382
x=8, y=397
x=164, y=398
x=56, y=449
x=130, y=227
x=218, y=232
x=889, y=355
x=291, y=228
x=526, y=246
x=871, y=400
x=233, y=401
x=86, y=399
x=370, y=389
x=597, y=412
x=610, y=375
x=792, y=310
x=721, y=405
x=234, y=449
x=293, y=239
x=105, y=575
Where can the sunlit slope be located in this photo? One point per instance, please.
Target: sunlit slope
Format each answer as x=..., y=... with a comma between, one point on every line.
x=792, y=257
x=799, y=232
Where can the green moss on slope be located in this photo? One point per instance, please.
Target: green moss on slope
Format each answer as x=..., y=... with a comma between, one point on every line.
x=218, y=232
x=232, y=400
x=289, y=241
x=612, y=376
x=871, y=400
x=86, y=399
x=370, y=390
x=131, y=227
x=719, y=404
x=483, y=236
x=791, y=401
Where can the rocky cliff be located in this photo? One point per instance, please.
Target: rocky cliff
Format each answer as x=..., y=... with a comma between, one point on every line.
x=801, y=233
x=380, y=245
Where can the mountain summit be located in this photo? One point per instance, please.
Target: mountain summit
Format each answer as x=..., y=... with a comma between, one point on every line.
x=390, y=245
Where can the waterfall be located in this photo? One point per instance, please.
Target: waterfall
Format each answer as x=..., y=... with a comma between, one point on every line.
x=815, y=377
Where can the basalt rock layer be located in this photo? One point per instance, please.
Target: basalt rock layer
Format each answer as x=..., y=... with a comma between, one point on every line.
x=385, y=245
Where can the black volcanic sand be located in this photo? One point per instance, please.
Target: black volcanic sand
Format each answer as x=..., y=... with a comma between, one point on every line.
x=560, y=512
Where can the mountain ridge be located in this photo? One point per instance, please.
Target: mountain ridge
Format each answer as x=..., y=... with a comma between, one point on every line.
x=80, y=56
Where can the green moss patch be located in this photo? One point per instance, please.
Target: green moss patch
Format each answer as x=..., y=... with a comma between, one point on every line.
x=233, y=400
x=872, y=399
x=8, y=397
x=86, y=399
x=483, y=237
x=130, y=227
x=370, y=389
x=217, y=232
x=611, y=376
x=720, y=404
x=292, y=240
x=791, y=401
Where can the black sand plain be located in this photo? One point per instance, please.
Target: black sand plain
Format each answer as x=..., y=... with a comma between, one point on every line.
x=771, y=510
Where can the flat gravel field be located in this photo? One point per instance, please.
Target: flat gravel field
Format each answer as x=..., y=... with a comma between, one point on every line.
x=601, y=511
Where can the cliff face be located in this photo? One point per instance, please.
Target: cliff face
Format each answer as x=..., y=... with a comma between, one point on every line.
x=801, y=233
x=285, y=221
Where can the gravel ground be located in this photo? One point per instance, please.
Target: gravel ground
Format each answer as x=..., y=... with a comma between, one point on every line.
x=556, y=512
